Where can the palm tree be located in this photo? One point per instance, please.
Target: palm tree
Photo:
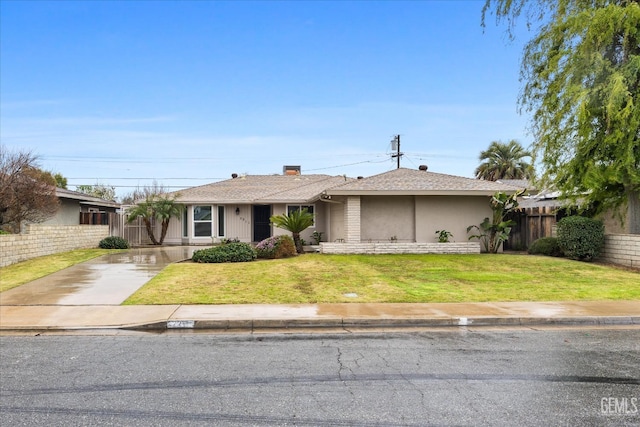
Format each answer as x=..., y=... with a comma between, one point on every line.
x=145, y=211
x=504, y=161
x=296, y=222
x=159, y=207
x=165, y=209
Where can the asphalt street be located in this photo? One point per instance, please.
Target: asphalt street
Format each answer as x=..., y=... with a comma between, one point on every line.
x=577, y=377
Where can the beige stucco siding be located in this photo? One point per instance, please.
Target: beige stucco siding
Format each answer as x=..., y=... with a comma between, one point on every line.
x=68, y=214
x=451, y=213
x=384, y=217
x=336, y=220
x=321, y=225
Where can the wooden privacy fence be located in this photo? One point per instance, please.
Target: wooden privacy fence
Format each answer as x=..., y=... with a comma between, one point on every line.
x=531, y=224
x=135, y=232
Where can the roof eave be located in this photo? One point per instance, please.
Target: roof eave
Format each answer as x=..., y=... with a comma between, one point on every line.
x=415, y=193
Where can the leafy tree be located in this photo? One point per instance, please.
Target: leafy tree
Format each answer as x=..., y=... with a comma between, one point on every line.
x=61, y=181
x=161, y=207
x=504, y=161
x=142, y=193
x=100, y=191
x=27, y=193
x=296, y=222
x=495, y=231
x=581, y=74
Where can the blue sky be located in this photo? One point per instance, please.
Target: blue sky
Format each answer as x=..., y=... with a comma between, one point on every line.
x=124, y=92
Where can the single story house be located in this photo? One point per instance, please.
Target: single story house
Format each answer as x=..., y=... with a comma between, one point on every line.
x=402, y=205
x=79, y=208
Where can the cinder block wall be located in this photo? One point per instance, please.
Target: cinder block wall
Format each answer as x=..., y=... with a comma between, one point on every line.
x=400, y=248
x=623, y=249
x=40, y=240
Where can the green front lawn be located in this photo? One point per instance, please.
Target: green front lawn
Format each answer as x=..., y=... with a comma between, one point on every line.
x=316, y=278
x=27, y=271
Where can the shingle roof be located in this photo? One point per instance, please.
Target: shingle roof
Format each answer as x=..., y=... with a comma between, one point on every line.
x=416, y=182
x=520, y=183
x=262, y=189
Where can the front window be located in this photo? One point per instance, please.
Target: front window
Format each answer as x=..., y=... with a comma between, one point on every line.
x=185, y=225
x=309, y=208
x=221, y=221
x=202, y=221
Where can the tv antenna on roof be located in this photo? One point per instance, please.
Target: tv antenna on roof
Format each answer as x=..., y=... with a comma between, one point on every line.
x=395, y=146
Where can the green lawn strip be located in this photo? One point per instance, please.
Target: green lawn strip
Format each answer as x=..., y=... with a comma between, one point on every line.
x=317, y=278
x=23, y=272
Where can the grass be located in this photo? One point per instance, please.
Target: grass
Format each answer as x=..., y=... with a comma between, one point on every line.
x=315, y=278
x=23, y=272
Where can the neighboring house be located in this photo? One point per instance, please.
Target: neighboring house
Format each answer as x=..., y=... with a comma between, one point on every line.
x=79, y=208
x=540, y=211
x=401, y=205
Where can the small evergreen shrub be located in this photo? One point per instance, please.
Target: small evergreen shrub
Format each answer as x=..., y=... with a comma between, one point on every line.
x=548, y=246
x=276, y=247
x=227, y=241
x=580, y=238
x=113, y=242
x=230, y=252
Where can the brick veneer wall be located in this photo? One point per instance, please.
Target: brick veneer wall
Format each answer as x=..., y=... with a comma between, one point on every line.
x=623, y=249
x=40, y=240
x=352, y=219
x=400, y=248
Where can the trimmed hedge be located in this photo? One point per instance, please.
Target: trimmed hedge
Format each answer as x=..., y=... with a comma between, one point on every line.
x=113, y=242
x=548, y=246
x=276, y=247
x=581, y=238
x=230, y=252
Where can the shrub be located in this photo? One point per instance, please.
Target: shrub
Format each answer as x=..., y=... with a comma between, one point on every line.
x=230, y=252
x=548, y=246
x=276, y=247
x=227, y=241
x=113, y=242
x=580, y=238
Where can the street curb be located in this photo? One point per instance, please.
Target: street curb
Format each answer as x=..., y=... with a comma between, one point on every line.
x=348, y=323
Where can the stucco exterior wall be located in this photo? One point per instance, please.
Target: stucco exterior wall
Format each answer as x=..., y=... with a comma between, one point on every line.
x=321, y=224
x=68, y=214
x=40, y=240
x=451, y=213
x=387, y=217
x=336, y=218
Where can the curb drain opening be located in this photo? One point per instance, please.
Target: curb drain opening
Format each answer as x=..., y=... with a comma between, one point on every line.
x=181, y=324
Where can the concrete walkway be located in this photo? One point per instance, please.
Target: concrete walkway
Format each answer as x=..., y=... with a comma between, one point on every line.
x=88, y=296
x=345, y=316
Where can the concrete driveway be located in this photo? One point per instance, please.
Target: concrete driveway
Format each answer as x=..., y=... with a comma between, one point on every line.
x=107, y=280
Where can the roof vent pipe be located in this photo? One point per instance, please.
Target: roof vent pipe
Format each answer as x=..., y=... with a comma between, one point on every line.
x=423, y=167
